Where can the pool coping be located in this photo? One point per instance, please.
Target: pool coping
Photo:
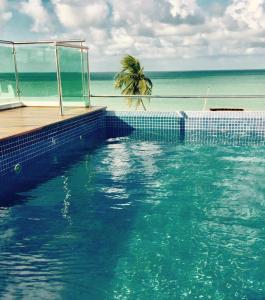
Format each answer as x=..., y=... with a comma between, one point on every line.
x=61, y=119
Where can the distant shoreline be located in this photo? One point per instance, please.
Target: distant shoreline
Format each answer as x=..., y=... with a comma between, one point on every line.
x=153, y=72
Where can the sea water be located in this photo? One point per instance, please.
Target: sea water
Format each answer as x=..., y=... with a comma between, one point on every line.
x=43, y=87
x=203, y=83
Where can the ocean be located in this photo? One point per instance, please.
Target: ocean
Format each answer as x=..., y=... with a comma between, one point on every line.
x=232, y=82
x=43, y=87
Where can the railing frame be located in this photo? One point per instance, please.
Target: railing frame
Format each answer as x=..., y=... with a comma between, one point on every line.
x=89, y=78
x=59, y=81
x=16, y=72
x=56, y=43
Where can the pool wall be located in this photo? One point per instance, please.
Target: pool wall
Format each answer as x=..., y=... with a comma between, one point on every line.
x=144, y=124
x=199, y=126
x=17, y=151
x=189, y=127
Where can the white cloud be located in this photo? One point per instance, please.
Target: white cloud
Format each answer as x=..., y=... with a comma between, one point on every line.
x=247, y=14
x=76, y=14
x=5, y=14
x=183, y=8
x=99, y=36
x=165, y=11
x=164, y=29
x=38, y=13
x=121, y=41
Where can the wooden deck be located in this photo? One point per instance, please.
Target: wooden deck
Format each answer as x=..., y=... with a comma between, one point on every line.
x=17, y=121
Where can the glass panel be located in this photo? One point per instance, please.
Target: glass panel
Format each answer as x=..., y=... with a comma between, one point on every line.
x=37, y=74
x=71, y=72
x=7, y=76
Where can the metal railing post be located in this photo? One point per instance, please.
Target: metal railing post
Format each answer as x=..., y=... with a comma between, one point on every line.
x=88, y=74
x=83, y=79
x=16, y=72
x=59, y=81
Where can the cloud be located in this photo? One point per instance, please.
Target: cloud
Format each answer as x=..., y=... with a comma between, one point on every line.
x=5, y=14
x=182, y=8
x=81, y=14
x=118, y=26
x=246, y=14
x=181, y=28
x=150, y=11
x=38, y=13
x=161, y=29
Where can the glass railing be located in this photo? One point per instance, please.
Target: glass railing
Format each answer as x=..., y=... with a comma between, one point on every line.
x=37, y=74
x=57, y=74
x=44, y=74
x=74, y=76
x=8, y=82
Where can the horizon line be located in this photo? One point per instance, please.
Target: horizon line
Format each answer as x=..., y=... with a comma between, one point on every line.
x=195, y=70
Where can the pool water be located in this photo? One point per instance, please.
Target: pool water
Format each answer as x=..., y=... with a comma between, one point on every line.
x=132, y=219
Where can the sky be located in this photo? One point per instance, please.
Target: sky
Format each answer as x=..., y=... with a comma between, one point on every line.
x=163, y=34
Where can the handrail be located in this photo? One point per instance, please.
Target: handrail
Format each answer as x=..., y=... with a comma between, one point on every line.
x=42, y=42
x=6, y=42
x=181, y=96
x=48, y=42
x=71, y=46
x=71, y=43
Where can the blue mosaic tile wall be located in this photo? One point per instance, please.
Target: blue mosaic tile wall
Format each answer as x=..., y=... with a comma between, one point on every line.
x=144, y=124
x=236, y=128
x=22, y=149
x=190, y=127
x=202, y=127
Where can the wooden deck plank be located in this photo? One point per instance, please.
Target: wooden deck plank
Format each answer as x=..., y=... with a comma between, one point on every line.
x=18, y=121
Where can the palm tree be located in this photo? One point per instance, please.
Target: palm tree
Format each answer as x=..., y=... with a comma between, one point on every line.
x=132, y=80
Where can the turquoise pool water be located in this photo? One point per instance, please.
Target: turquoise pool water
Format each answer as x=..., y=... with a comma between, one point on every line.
x=133, y=219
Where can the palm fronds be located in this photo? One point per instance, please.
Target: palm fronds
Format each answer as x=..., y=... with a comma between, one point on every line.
x=132, y=80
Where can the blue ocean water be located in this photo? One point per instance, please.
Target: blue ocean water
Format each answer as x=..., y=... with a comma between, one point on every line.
x=203, y=83
x=132, y=219
x=212, y=82
x=37, y=87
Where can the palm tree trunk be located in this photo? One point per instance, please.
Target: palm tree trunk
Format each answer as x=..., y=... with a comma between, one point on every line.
x=141, y=100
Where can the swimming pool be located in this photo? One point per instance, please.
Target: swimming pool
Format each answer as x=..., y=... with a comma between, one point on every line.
x=128, y=218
